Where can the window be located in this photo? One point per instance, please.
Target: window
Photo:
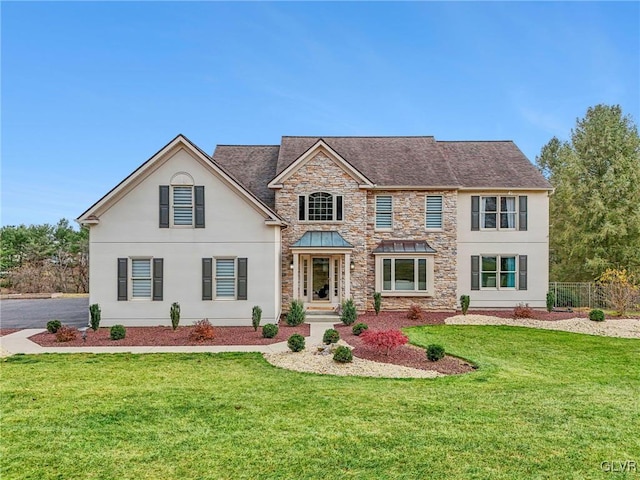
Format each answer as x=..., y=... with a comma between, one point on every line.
x=434, y=212
x=498, y=213
x=320, y=207
x=183, y=206
x=182, y=202
x=141, y=278
x=404, y=275
x=498, y=272
x=225, y=278
x=384, y=212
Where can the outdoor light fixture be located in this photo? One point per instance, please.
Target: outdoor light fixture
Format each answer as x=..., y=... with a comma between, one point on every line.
x=353, y=265
x=291, y=265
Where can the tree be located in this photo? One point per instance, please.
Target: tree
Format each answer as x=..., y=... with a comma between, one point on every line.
x=595, y=210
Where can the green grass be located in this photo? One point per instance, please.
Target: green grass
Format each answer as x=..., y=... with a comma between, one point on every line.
x=542, y=405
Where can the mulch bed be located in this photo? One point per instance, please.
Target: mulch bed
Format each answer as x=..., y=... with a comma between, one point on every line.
x=166, y=336
x=8, y=331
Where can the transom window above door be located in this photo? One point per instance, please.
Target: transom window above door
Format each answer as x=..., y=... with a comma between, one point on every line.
x=320, y=207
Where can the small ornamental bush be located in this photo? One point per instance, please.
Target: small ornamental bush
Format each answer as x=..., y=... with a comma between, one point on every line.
x=117, y=332
x=296, y=342
x=296, y=314
x=256, y=316
x=94, y=311
x=349, y=313
x=202, y=330
x=66, y=334
x=53, y=326
x=377, y=302
x=415, y=313
x=435, y=352
x=331, y=335
x=596, y=315
x=551, y=301
x=384, y=340
x=621, y=288
x=465, y=300
x=343, y=354
x=269, y=330
x=174, y=313
x=358, y=328
x=523, y=310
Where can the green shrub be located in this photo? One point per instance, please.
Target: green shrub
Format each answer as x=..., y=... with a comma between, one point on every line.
x=66, y=334
x=358, y=328
x=343, y=354
x=174, y=313
x=551, y=301
x=377, y=302
x=296, y=342
x=596, y=315
x=117, y=332
x=435, y=352
x=53, y=326
x=269, y=330
x=331, y=335
x=465, y=300
x=94, y=311
x=296, y=313
x=256, y=316
x=349, y=313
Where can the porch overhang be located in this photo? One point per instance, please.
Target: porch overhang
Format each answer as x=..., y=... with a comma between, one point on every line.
x=395, y=247
x=321, y=241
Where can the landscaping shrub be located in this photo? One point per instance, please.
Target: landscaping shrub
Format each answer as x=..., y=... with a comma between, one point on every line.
x=174, y=313
x=349, y=313
x=523, y=310
x=596, y=315
x=66, y=334
x=117, y=332
x=269, y=330
x=94, y=311
x=465, y=300
x=331, y=335
x=358, y=328
x=415, y=313
x=620, y=289
x=256, y=316
x=343, y=354
x=202, y=330
x=551, y=301
x=384, y=340
x=377, y=302
x=296, y=342
x=296, y=313
x=53, y=326
x=435, y=352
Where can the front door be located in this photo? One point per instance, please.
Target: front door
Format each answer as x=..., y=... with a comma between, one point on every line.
x=320, y=279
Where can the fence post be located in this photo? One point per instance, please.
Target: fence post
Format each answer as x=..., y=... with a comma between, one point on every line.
x=590, y=295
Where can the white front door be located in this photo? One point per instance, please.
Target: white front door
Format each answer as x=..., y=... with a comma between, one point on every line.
x=320, y=279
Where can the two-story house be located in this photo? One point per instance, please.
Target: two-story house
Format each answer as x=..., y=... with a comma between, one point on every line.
x=319, y=220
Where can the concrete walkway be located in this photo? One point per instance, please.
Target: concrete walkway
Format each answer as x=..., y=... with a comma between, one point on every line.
x=19, y=342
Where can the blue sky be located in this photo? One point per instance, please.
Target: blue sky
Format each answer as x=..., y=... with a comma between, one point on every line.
x=90, y=90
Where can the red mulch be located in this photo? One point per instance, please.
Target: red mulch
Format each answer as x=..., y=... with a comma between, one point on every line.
x=166, y=336
x=8, y=331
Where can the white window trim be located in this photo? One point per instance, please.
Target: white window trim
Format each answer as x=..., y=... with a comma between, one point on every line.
x=441, y=212
x=429, y=292
x=214, y=293
x=499, y=256
x=130, y=274
x=375, y=217
x=172, y=203
x=498, y=212
x=334, y=196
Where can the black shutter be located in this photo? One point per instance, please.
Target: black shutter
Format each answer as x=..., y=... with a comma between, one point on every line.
x=301, y=208
x=339, y=208
x=475, y=212
x=122, y=279
x=207, y=274
x=522, y=272
x=199, y=194
x=164, y=206
x=157, y=278
x=242, y=278
x=475, y=272
x=522, y=212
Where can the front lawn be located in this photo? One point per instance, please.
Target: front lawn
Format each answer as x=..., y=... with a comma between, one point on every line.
x=543, y=404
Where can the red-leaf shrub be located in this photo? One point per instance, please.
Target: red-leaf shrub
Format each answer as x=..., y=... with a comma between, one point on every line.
x=523, y=311
x=202, y=330
x=384, y=340
x=415, y=313
x=66, y=334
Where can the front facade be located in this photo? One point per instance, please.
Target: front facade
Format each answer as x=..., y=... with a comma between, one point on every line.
x=320, y=220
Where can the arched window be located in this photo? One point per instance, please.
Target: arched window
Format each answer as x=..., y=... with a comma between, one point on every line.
x=320, y=206
x=182, y=199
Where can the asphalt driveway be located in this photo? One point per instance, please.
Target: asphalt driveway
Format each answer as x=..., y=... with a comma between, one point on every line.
x=36, y=313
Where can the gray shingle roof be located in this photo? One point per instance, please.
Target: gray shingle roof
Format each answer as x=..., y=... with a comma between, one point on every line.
x=391, y=161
